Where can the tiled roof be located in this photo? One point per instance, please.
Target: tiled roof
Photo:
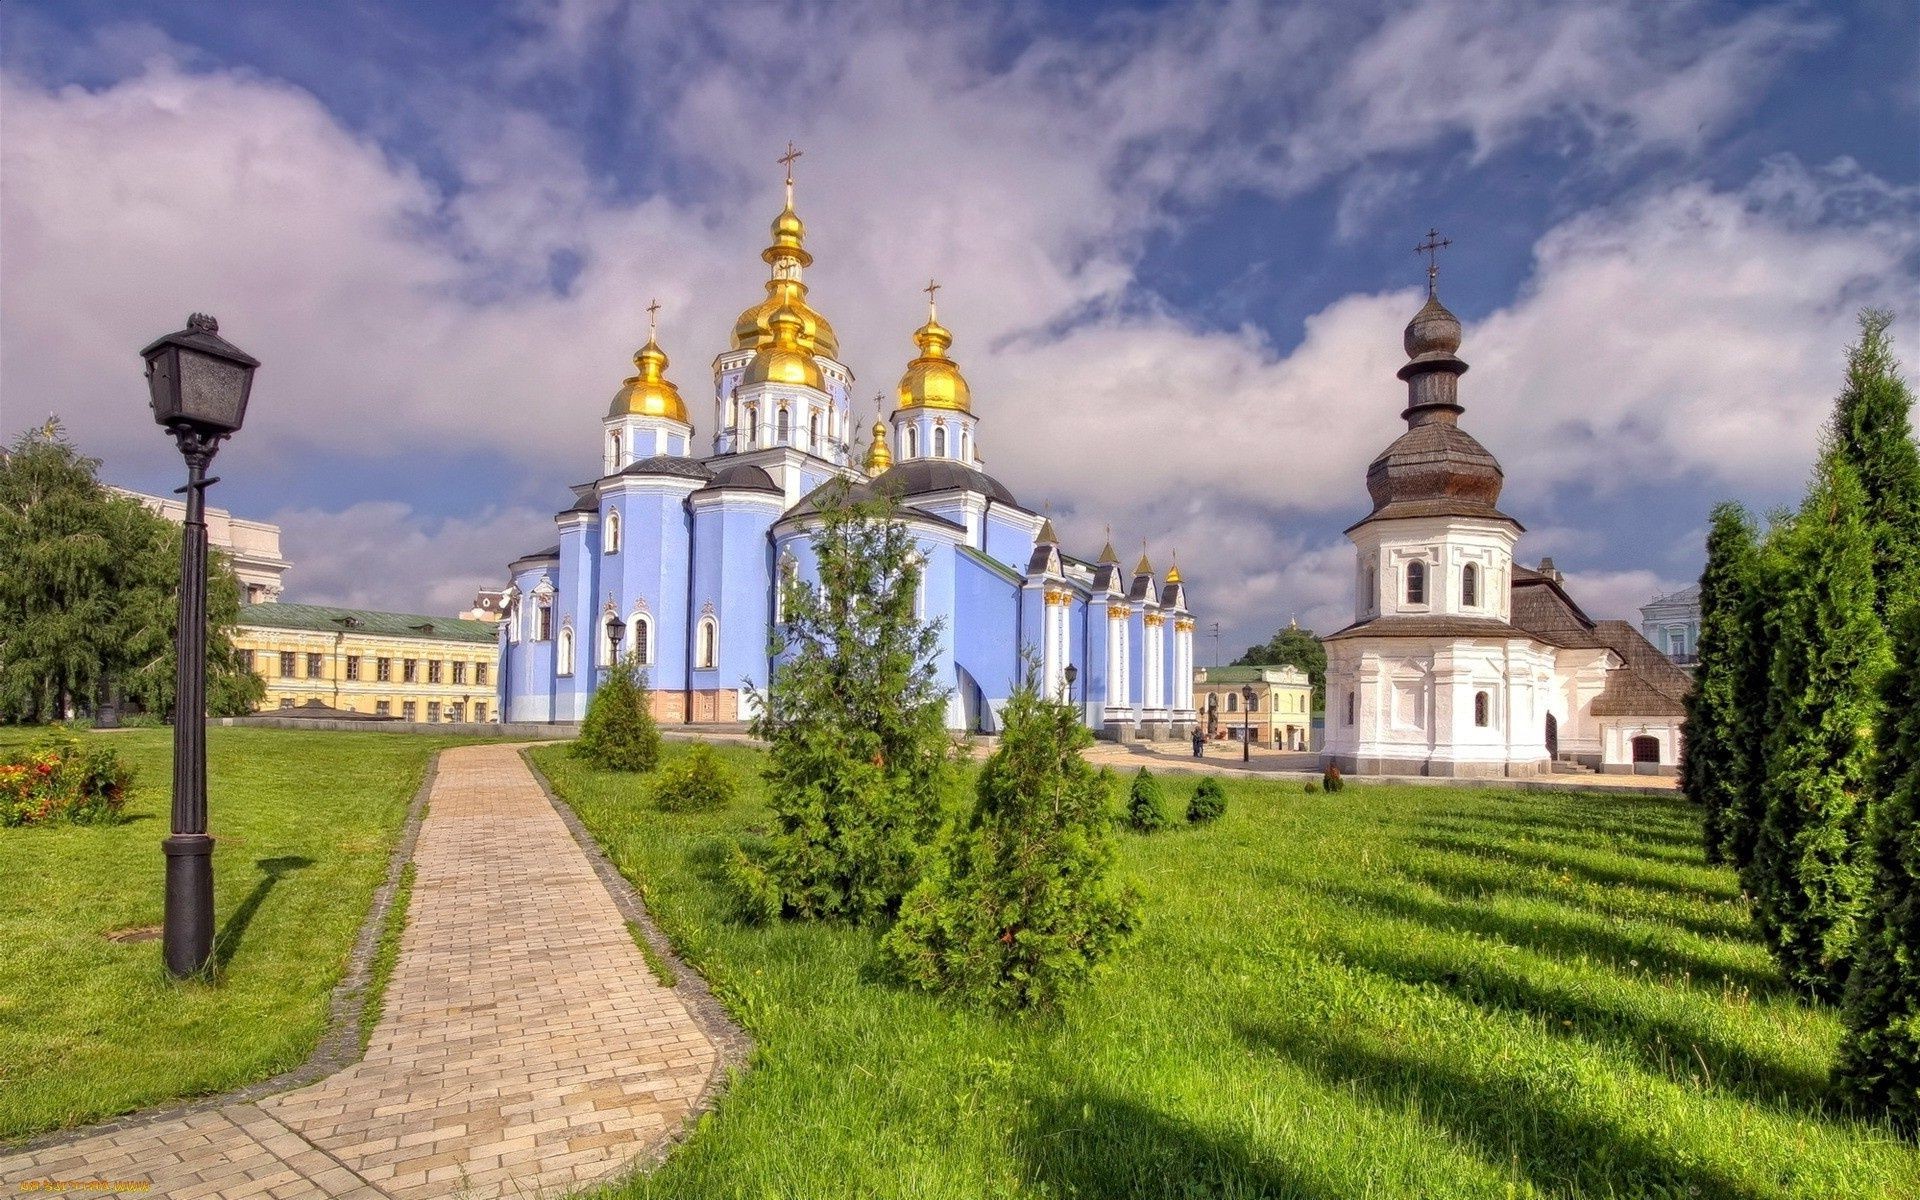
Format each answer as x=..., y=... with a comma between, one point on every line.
x=1543, y=609
x=324, y=619
x=1441, y=626
x=1649, y=685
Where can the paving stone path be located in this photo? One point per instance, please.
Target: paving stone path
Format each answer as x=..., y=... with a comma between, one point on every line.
x=524, y=1048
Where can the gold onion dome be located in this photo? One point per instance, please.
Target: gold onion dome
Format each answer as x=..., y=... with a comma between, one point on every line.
x=783, y=359
x=648, y=392
x=933, y=380
x=789, y=234
x=755, y=328
x=879, y=455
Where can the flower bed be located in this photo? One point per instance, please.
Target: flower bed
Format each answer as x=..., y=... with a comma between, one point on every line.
x=62, y=780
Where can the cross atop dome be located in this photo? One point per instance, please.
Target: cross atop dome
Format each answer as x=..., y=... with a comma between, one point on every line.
x=786, y=160
x=1432, y=248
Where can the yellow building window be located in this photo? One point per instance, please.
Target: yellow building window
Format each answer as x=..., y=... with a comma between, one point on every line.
x=315, y=667
x=383, y=669
x=353, y=667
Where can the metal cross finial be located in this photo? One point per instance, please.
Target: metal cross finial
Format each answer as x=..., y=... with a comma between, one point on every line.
x=1432, y=248
x=930, y=289
x=786, y=160
x=652, y=320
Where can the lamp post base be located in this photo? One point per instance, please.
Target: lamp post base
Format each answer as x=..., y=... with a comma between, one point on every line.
x=186, y=940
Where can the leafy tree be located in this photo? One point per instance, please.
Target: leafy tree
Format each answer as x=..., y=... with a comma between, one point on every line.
x=854, y=718
x=1018, y=908
x=1145, y=810
x=1871, y=423
x=89, y=585
x=1808, y=876
x=1293, y=647
x=1717, y=766
x=1879, y=1060
x=620, y=733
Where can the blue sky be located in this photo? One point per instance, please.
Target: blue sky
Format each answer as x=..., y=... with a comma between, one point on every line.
x=1176, y=243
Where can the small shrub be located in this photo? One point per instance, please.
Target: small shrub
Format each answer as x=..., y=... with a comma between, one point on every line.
x=619, y=733
x=1145, y=812
x=753, y=889
x=697, y=781
x=1331, y=781
x=1209, y=801
x=62, y=780
x=1313, y=789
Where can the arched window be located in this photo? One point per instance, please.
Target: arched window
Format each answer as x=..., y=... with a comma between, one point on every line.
x=613, y=451
x=563, y=653
x=1373, y=587
x=1416, y=582
x=753, y=425
x=543, y=619
x=783, y=425
x=913, y=442
x=733, y=412
x=640, y=632
x=709, y=655
x=1481, y=706
x=813, y=431
x=1253, y=702
x=1349, y=708
x=610, y=533
x=1470, y=586
x=939, y=441
x=966, y=445
x=1233, y=702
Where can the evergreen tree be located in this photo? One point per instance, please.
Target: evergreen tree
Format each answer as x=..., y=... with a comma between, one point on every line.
x=1872, y=424
x=1879, y=1060
x=854, y=718
x=1809, y=876
x=89, y=585
x=1715, y=769
x=1018, y=908
x=1145, y=810
x=619, y=733
x=1293, y=647
x=1759, y=624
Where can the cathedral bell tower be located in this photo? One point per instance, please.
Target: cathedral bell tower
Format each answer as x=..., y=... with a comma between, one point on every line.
x=647, y=416
x=935, y=419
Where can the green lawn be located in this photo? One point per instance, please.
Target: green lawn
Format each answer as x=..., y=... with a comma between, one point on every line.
x=1391, y=992
x=89, y=1027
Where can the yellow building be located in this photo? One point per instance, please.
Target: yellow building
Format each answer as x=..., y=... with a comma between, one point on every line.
x=411, y=668
x=1281, y=715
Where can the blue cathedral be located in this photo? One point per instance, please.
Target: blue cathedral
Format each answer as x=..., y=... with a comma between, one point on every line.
x=688, y=549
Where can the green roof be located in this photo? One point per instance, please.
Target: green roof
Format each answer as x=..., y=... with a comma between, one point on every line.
x=1243, y=674
x=382, y=624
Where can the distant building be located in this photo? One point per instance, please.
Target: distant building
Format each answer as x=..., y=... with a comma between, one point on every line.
x=411, y=668
x=1280, y=716
x=489, y=604
x=1672, y=623
x=253, y=546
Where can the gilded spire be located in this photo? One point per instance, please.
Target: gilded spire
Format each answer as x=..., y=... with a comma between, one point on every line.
x=1107, y=552
x=648, y=392
x=879, y=454
x=1046, y=536
x=787, y=256
x=1143, y=567
x=1173, y=572
x=933, y=380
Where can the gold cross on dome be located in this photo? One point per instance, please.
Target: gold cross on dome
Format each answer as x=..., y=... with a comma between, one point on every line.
x=930, y=289
x=1432, y=248
x=652, y=321
x=786, y=160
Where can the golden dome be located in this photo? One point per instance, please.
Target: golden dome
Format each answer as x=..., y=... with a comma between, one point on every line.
x=784, y=359
x=648, y=392
x=879, y=456
x=789, y=232
x=754, y=327
x=933, y=380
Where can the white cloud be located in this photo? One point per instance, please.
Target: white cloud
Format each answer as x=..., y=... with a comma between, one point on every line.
x=386, y=555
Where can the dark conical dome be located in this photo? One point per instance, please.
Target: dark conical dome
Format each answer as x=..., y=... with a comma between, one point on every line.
x=1435, y=468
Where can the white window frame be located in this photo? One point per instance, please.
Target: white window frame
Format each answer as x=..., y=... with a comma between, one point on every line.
x=610, y=532
x=707, y=644
x=563, y=651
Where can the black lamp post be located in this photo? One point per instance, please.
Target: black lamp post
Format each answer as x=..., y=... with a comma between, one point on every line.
x=198, y=384
x=1072, y=673
x=616, y=631
x=1247, y=695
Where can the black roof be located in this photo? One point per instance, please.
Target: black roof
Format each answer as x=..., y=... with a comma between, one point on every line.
x=742, y=477
x=669, y=464
x=921, y=475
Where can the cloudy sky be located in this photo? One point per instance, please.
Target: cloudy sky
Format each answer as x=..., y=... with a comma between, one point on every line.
x=1176, y=244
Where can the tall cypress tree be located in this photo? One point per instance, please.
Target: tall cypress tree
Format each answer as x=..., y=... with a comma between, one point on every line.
x=1716, y=769
x=1809, y=877
x=1872, y=424
x=1759, y=629
x=1879, y=1061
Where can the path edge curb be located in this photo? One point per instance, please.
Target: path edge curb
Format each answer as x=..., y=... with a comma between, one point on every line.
x=732, y=1044
x=339, y=1046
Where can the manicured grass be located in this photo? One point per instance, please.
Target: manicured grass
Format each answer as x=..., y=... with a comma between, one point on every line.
x=1390, y=992
x=304, y=823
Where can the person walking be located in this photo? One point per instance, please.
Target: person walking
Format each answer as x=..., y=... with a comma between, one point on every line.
x=1199, y=742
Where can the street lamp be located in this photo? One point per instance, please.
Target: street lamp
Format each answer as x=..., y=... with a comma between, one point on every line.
x=197, y=383
x=616, y=630
x=1071, y=673
x=1247, y=696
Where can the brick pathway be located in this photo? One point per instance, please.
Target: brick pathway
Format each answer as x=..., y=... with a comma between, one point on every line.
x=524, y=1047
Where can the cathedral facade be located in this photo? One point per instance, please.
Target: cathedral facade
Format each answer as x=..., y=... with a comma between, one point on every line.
x=1460, y=661
x=687, y=548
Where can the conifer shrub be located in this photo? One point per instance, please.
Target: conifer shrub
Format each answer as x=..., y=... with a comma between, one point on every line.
x=1873, y=428
x=1878, y=1066
x=697, y=781
x=1809, y=876
x=619, y=733
x=1716, y=766
x=1209, y=801
x=1330, y=779
x=1312, y=788
x=1145, y=810
x=745, y=879
x=1017, y=909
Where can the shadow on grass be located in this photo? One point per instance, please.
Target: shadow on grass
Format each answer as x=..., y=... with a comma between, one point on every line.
x=1566, y=939
x=1675, y=831
x=1592, y=840
x=1461, y=881
x=1511, y=1124
x=1685, y=1051
x=1096, y=1145
x=228, y=939
x=1678, y=880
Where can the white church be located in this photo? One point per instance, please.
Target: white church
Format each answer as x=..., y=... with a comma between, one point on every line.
x=1459, y=661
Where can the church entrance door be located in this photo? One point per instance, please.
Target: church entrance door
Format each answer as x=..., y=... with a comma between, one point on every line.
x=1646, y=750
x=1553, y=737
